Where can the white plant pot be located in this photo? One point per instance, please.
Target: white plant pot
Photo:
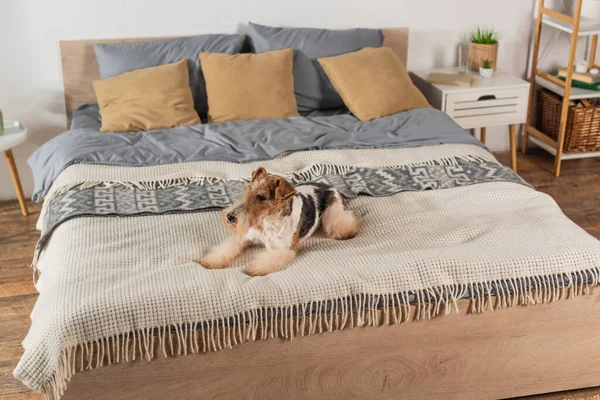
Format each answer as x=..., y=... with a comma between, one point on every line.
x=486, y=72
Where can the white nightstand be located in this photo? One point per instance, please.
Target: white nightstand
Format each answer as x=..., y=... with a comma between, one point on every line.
x=500, y=100
x=14, y=135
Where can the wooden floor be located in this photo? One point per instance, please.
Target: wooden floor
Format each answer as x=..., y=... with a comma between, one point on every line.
x=577, y=191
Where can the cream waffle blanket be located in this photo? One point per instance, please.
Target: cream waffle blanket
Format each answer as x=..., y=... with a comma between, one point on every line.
x=106, y=283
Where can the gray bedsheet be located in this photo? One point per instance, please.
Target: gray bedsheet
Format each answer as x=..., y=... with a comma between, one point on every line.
x=240, y=141
x=86, y=116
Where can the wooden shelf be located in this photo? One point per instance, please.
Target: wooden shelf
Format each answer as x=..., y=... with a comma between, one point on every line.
x=576, y=93
x=585, y=29
x=565, y=156
x=577, y=27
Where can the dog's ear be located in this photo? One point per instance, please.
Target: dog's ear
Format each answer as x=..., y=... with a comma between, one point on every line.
x=283, y=189
x=258, y=173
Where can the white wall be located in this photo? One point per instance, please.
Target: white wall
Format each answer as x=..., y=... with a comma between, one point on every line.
x=30, y=75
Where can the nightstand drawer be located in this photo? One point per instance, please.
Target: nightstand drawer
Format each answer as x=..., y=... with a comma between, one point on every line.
x=487, y=107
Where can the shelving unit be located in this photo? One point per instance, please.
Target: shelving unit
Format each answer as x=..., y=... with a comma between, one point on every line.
x=571, y=25
x=585, y=30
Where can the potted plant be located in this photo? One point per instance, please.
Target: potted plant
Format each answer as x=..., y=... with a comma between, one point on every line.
x=486, y=70
x=483, y=46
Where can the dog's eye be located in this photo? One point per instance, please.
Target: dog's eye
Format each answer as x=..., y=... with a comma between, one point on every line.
x=260, y=197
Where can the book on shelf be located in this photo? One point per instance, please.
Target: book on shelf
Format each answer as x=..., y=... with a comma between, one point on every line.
x=584, y=77
x=449, y=79
x=583, y=85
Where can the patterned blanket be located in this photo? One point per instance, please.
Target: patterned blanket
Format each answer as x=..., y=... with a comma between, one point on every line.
x=438, y=224
x=126, y=200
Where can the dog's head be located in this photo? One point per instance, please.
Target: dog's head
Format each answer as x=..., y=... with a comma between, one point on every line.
x=265, y=195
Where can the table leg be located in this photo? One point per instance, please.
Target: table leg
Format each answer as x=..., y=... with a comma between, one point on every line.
x=513, y=147
x=16, y=181
x=482, y=137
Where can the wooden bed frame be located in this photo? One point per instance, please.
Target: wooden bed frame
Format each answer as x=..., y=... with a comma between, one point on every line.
x=512, y=352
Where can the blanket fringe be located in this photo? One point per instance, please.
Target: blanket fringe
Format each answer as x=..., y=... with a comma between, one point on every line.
x=313, y=317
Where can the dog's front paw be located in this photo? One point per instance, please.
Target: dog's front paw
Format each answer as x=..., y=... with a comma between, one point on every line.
x=270, y=261
x=257, y=270
x=214, y=261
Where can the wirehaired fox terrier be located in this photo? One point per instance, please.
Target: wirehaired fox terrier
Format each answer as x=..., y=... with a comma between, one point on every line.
x=280, y=216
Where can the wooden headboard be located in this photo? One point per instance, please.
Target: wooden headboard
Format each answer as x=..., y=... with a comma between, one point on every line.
x=80, y=68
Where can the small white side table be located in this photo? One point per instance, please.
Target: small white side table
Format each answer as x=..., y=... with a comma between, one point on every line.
x=500, y=100
x=14, y=135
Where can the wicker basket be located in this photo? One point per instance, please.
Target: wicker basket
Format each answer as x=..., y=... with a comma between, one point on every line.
x=480, y=52
x=583, y=123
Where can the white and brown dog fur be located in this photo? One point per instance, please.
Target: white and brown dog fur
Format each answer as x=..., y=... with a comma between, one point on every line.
x=279, y=216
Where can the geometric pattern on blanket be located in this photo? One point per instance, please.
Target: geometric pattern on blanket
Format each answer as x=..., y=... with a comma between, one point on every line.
x=123, y=200
x=127, y=200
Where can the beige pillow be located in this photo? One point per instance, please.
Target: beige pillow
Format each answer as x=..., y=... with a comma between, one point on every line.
x=373, y=83
x=249, y=86
x=144, y=99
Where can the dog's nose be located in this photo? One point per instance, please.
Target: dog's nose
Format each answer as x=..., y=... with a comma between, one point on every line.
x=231, y=218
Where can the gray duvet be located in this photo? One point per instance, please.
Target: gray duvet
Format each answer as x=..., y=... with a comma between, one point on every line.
x=239, y=141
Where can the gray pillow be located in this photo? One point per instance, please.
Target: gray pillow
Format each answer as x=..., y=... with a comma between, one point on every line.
x=313, y=89
x=86, y=116
x=115, y=59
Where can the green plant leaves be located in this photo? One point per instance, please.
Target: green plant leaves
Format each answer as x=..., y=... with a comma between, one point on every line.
x=484, y=36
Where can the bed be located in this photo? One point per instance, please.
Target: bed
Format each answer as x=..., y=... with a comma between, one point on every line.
x=464, y=282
